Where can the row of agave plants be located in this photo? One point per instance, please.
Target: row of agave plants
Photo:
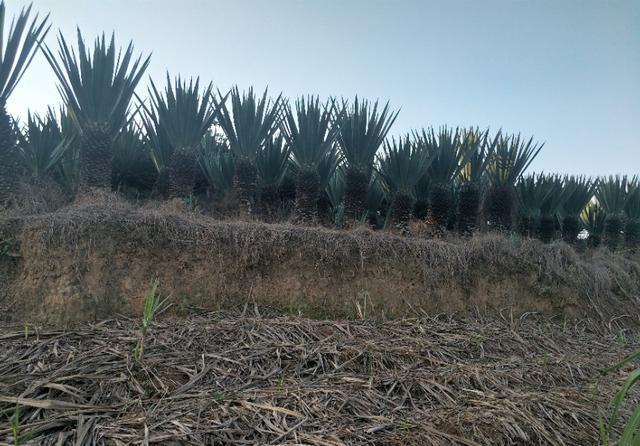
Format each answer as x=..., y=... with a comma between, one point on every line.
x=331, y=162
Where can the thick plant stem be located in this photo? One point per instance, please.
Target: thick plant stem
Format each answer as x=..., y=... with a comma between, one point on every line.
x=632, y=235
x=400, y=211
x=547, y=228
x=498, y=207
x=468, y=208
x=9, y=163
x=570, y=229
x=96, y=155
x=440, y=204
x=245, y=180
x=355, y=195
x=182, y=172
x=307, y=193
x=612, y=228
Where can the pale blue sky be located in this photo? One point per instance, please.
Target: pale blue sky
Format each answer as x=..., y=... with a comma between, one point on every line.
x=566, y=71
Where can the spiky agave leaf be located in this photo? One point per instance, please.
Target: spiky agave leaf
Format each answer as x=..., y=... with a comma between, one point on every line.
x=217, y=163
x=449, y=158
x=97, y=87
x=512, y=156
x=531, y=194
x=593, y=218
x=472, y=178
x=376, y=206
x=132, y=167
x=272, y=162
x=310, y=129
x=632, y=214
x=335, y=193
x=422, y=190
x=583, y=190
x=326, y=170
x=17, y=49
x=178, y=118
x=557, y=191
x=400, y=167
x=248, y=125
x=41, y=145
x=479, y=149
x=362, y=133
x=612, y=195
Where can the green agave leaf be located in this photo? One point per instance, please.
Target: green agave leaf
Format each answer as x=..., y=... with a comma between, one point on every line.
x=20, y=48
x=363, y=131
x=97, y=86
x=250, y=122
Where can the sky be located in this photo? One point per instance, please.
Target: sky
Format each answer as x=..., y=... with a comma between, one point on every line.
x=564, y=71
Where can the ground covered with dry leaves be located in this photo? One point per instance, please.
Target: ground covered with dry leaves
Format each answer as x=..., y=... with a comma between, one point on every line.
x=236, y=380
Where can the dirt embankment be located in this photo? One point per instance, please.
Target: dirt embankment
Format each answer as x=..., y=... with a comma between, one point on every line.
x=93, y=259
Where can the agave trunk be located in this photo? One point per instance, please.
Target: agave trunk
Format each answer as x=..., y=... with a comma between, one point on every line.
x=245, y=179
x=594, y=240
x=269, y=203
x=287, y=193
x=441, y=200
x=468, y=207
x=325, y=215
x=547, y=228
x=355, y=194
x=612, y=228
x=182, y=172
x=400, y=211
x=421, y=210
x=632, y=234
x=307, y=193
x=527, y=226
x=570, y=229
x=9, y=163
x=161, y=186
x=499, y=206
x=96, y=156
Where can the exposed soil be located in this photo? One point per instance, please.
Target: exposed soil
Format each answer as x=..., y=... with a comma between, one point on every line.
x=95, y=258
x=224, y=380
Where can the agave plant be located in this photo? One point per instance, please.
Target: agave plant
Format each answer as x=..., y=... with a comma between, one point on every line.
x=632, y=214
x=178, y=118
x=583, y=190
x=326, y=170
x=216, y=163
x=16, y=54
x=132, y=166
x=511, y=158
x=612, y=196
x=97, y=88
x=422, y=191
x=448, y=159
x=556, y=193
x=375, y=213
x=248, y=126
x=479, y=150
x=531, y=194
x=362, y=133
x=272, y=162
x=310, y=129
x=335, y=193
x=41, y=146
x=592, y=219
x=401, y=166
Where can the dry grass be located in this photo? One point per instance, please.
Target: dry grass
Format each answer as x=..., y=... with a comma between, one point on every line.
x=230, y=380
x=281, y=265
